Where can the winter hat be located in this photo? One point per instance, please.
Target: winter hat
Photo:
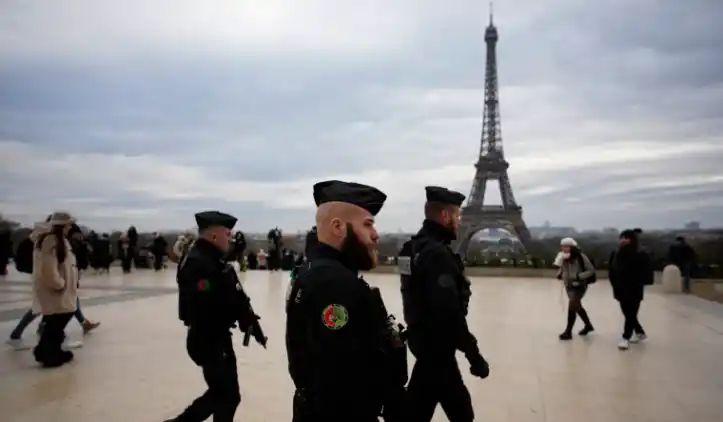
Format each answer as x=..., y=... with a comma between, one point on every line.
x=568, y=241
x=60, y=218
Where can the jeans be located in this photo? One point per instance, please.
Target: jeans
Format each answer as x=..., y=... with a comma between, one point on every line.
x=685, y=272
x=29, y=317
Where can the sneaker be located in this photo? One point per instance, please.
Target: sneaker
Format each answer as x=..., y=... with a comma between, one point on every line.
x=566, y=336
x=89, y=326
x=641, y=336
x=70, y=345
x=18, y=344
x=634, y=338
x=585, y=331
x=624, y=344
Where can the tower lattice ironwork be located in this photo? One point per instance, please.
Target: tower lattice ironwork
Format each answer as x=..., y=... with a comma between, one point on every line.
x=491, y=166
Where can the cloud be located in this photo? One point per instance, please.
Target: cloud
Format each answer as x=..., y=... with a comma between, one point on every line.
x=154, y=111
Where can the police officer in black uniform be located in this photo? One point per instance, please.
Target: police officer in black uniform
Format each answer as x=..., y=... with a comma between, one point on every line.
x=435, y=295
x=333, y=339
x=211, y=301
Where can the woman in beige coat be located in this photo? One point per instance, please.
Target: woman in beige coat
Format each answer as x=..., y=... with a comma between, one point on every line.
x=55, y=282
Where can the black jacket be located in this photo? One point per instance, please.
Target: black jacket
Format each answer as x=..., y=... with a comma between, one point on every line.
x=630, y=270
x=210, y=297
x=435, y=294
x=332, y=339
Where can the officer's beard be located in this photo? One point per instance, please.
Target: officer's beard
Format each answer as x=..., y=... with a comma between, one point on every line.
x=357, y=253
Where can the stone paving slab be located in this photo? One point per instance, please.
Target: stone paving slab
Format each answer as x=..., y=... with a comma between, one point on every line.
x=135, y=367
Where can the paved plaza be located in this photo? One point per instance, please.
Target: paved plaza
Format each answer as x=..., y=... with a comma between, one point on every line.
x=135, y=368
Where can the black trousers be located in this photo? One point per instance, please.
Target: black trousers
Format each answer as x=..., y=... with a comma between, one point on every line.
x=438, y=381
x=126, y=264
x=630, y=310
x=218, y=361
x=157, y=262
x=48, y=349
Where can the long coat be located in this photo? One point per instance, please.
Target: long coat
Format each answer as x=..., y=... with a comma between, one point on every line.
x=55, y=284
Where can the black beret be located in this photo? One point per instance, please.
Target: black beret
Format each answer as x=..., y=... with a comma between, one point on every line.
x=367, y=197
x=208, y=219
x=444, y=195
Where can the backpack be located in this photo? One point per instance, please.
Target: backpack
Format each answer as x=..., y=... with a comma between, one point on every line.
x=24, y=257
x=593, y=278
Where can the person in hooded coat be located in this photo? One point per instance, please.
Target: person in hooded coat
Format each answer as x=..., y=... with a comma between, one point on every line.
x=630, y=271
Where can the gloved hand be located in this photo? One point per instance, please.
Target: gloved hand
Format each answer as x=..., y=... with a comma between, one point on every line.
x=478, y=366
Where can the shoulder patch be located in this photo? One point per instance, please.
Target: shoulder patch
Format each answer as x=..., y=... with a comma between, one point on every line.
x=405, y=265
x=335, y=317
x=203, y=285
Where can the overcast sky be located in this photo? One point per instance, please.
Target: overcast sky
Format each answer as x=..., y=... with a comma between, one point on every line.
x=146, y=112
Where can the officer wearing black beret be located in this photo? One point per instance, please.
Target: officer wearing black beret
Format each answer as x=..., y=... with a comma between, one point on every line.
x=211, y=301
x=435, y=295
x=333, y=338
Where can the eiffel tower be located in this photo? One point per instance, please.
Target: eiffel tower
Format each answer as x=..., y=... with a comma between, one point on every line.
x=491, y=165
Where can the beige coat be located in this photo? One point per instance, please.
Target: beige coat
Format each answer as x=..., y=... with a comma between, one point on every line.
x=55, y=285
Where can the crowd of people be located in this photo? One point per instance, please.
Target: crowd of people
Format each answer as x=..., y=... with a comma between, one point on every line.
x=339, y=335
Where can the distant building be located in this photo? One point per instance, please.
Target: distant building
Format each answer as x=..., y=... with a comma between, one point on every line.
x=692, y=226
x=548, y=231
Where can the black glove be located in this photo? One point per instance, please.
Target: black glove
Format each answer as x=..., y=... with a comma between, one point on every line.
x=478, y=366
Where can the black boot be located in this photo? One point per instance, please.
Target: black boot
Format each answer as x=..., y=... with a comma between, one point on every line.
x=567, y=334
x=588, y=325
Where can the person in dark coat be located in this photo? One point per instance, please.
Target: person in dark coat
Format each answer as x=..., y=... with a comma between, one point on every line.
x=210, y=301
x=93, y=260
x=159, y=250
x=238, y=246
x=311, y=243
x=79, y=246
x=253, y=262
x=6, y=249
x=630, y=271
x=125, y=253
x=435, y=296
x=333, y=339
x=104, y=256
x=287, y=260
x=682, y=255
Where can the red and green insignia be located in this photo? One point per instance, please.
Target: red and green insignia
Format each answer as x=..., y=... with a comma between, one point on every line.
x=334, y=317
x=203, y=285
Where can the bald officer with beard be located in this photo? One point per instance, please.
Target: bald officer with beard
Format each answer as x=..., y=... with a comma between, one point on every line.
x=332, y=335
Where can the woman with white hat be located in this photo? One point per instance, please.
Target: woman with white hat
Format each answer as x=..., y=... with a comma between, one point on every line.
x=576, y=272
x=55, y=282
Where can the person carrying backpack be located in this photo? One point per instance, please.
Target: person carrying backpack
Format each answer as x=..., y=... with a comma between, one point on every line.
x=24, y=263
x=24, y=256
x=576, y=272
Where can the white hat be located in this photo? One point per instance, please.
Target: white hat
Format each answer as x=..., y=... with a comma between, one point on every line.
x=60, y=218
x=568, y=241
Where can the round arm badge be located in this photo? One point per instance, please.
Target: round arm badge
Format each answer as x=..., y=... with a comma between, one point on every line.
x=335, y=317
